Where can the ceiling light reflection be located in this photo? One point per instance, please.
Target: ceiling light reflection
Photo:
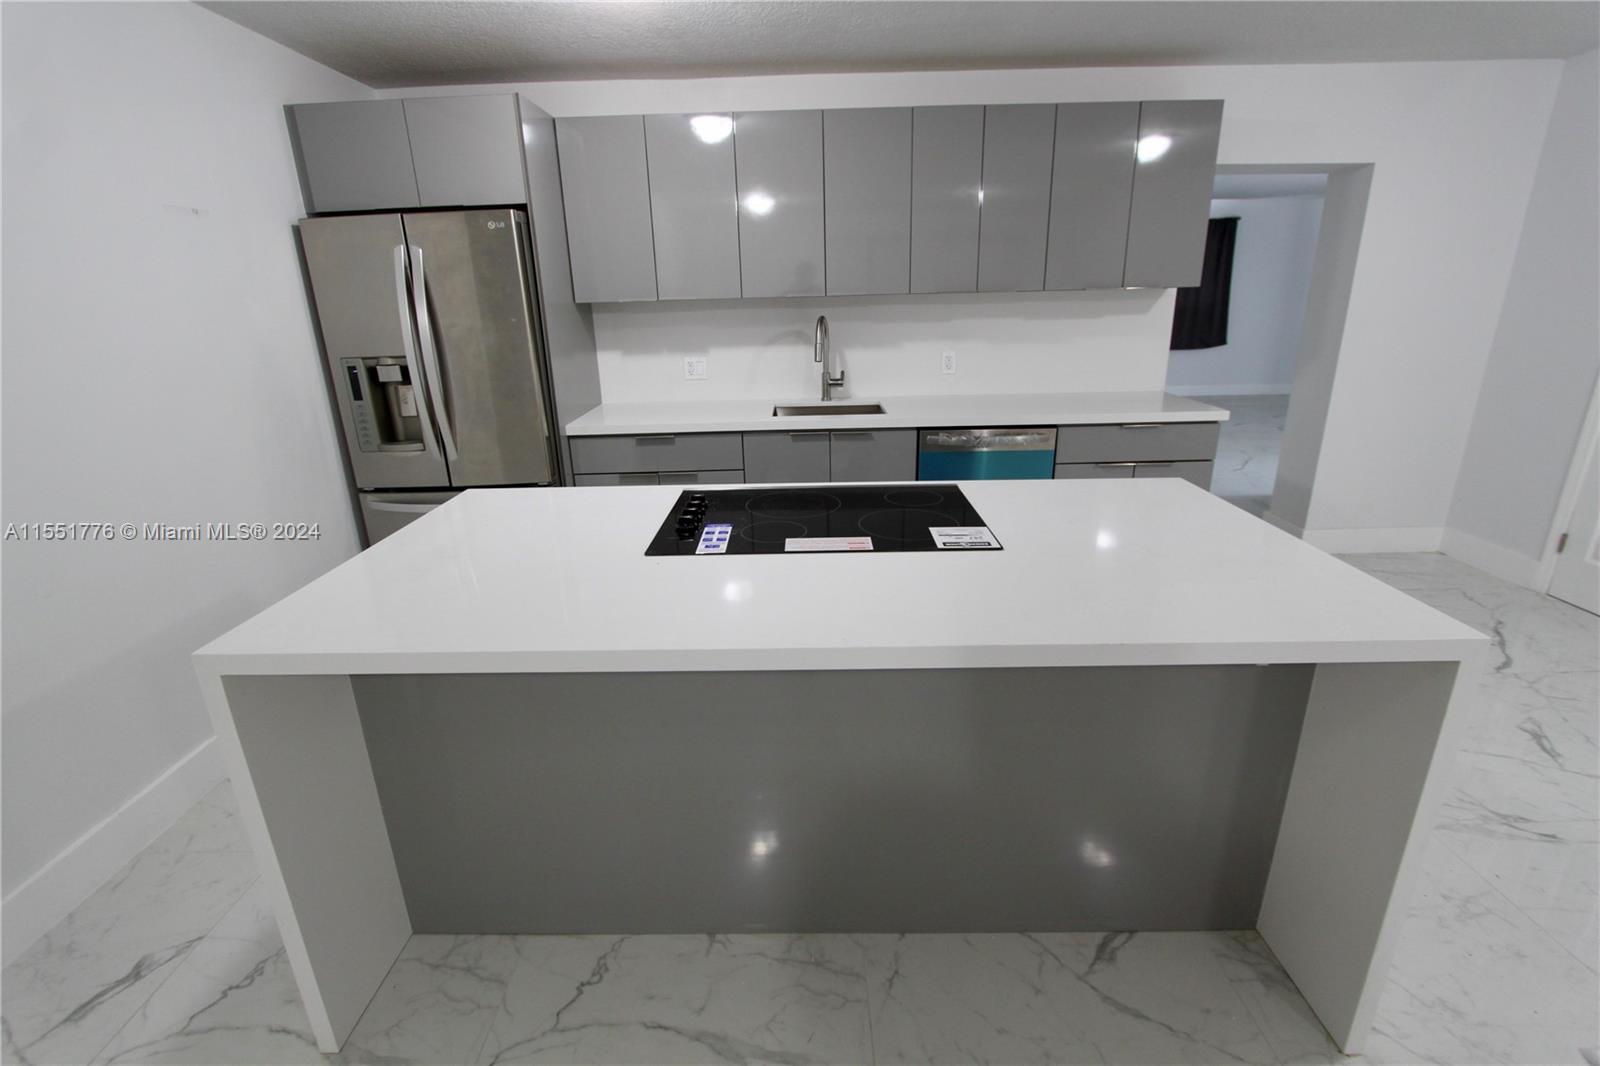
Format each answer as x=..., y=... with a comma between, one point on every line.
x=762, y=845
x=1095, y=854
x=1104, y=539
x=712, y=129
x=759, y=203
x=736, y=591
x=1153, y=147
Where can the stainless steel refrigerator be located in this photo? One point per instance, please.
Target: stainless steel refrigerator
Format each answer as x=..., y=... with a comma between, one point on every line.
x=429, y=324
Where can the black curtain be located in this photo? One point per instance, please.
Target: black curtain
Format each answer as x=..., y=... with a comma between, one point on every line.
x=1200, y=319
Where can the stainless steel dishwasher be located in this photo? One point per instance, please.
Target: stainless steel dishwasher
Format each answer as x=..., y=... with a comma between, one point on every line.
x=986, y=454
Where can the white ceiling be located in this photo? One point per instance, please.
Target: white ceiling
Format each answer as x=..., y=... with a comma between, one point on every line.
x=391, y=43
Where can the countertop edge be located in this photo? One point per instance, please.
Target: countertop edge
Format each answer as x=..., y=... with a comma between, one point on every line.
x=592, y=424
x=674, y=660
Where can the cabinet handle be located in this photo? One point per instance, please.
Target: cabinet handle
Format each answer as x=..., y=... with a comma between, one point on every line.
x=657, y=438
x=1116, y=464
x=801, y=434
x=1142, y=425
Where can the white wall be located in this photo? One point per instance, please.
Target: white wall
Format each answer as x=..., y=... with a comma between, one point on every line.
x=1546, y=350
x=159, y=366
x=1044, y=342
x=1453, y=148
x=1273, y=248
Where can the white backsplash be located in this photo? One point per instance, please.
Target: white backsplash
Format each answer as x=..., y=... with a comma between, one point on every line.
x=1108, y=341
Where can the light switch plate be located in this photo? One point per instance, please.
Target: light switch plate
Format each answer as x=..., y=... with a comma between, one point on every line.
x=947, y=363
x=695, y=368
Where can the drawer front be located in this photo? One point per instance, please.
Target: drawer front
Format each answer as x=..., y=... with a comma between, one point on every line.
x=616, y=479
x=1198, y=473
x=1137, y=441
x=790, y=457
x=657, y=452
x=874, y=455
x=703, y=477
x=1093, y=470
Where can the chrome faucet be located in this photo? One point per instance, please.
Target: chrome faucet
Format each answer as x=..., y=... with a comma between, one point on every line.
x=819, y=353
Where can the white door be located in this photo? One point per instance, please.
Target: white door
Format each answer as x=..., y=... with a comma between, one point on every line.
x=1576, y=577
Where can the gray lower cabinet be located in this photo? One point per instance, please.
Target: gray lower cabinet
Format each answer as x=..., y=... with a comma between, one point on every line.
x=1018, y=148
x=1177, y=164
x=866, y=158
x=353, y=155
x=703, y=477
x=694, y=206
x=1197, y=472
x=1090, y=190
x=605, y=186
x=946, y=179
x=873, y=455
x=787, y=457
x=587, y=480
x=779, y=160
x=1137, y=441
x=657, y=453
x=1093, y=470
x=467, y=150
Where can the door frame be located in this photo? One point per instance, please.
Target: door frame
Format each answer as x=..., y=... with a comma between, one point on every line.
x=1567, y=502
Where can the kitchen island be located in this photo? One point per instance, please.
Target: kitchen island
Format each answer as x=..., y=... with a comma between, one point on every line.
x=1147, y=710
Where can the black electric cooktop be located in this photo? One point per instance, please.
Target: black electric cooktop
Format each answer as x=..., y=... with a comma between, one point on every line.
x=822, y=518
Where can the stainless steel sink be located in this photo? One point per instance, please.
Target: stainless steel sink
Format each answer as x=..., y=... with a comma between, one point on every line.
x=792, y=410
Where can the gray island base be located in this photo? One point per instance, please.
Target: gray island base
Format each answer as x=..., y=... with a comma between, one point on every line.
x=957, y=787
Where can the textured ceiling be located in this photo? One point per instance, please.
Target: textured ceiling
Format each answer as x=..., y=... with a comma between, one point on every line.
x=390, y=43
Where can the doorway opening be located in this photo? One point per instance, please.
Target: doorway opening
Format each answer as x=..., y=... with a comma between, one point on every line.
x=1252, y=311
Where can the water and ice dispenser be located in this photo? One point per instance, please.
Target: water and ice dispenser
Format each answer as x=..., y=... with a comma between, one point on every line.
x=384, y=404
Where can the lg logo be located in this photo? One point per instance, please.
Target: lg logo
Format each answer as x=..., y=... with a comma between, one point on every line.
x=495, y=225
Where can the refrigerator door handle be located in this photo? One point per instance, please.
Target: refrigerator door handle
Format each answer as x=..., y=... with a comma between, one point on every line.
x=407, y=337
x=430, y=354
x=403, y=508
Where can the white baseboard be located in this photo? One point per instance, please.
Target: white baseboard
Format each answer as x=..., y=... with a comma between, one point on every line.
x=34, y=907
x=1365, y=541
x=1491, y=558
x=1228, y=390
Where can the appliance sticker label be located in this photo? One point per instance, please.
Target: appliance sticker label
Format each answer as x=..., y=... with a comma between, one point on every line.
x=714, y=539
x=963, y=537
x=828, y=544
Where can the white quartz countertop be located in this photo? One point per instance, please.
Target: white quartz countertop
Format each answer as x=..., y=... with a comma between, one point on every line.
x=1109, y=572
x=1044, y=409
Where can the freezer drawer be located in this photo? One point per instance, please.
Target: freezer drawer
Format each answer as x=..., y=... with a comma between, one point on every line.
x=386, y=513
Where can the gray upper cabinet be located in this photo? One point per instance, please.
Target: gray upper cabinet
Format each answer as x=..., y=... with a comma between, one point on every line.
x=694, y=205
x=606, y=188
x=466, y=150
x=946, y=176
x=866, y=156
x=1177, y=163
x=779, y=159
x=1090, y=191
x=354, y=155
x=1018, y=146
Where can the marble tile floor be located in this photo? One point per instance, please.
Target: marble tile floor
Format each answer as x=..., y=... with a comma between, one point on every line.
x=1247, y=450
x=177, y=959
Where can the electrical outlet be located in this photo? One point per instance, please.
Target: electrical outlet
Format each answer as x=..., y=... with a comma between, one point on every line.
x=695, y=368
x=947, y=363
